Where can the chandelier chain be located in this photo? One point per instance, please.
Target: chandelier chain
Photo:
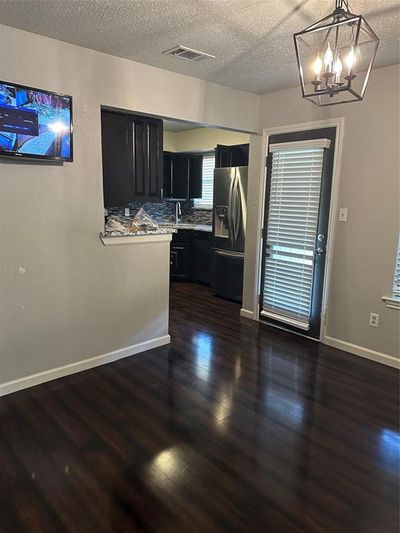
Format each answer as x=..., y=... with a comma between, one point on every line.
x=341, y=3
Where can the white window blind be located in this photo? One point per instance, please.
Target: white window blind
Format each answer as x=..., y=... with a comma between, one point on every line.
x=295, y=185
x=396, y=283
x=206, y=201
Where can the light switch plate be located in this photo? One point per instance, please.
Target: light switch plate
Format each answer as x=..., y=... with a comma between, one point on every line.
x=343, y=214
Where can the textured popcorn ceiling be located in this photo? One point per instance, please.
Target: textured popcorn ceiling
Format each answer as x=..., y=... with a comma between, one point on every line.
x=251, y=39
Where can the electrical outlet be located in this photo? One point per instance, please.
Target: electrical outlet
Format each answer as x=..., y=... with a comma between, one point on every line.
x=374, y=320
x=127, y=211
x=343, y=214
x=105, y=212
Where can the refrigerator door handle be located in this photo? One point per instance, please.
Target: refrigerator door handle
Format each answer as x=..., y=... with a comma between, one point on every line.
x=229, y=214
x=237, y=207
x=243, y=206
x=232, y=205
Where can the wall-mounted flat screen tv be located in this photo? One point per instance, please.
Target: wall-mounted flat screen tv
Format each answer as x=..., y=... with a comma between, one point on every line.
x=35, y=123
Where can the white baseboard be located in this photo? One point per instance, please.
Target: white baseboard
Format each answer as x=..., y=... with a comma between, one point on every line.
x=245, y=313
x=85, y=364
x=354, y=349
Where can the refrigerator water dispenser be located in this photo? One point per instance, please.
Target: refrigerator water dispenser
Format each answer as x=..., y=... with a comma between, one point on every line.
x=221, y=228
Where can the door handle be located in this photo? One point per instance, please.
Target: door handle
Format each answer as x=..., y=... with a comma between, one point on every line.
x=237, y=206
x=229, y=217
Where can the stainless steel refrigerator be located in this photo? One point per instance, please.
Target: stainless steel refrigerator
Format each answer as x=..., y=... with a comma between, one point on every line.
x=229, y=231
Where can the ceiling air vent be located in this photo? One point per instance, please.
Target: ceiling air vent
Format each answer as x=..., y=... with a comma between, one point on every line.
x=189, y=54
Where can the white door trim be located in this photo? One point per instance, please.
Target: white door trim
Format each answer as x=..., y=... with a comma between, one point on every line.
x=337, y=123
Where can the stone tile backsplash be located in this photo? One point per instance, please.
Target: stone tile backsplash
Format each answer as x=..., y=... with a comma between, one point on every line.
x=164, y=212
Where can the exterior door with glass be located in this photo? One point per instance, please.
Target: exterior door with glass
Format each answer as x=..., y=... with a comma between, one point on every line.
x=298, y=192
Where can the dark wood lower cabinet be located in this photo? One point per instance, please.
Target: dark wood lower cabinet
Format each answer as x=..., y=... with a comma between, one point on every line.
x=202, y=257
x=181, y=260
x=190, y=256
x=181, y=255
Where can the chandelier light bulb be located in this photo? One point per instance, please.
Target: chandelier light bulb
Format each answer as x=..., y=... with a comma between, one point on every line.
x=317, y=67
x=337, y=69
x=328, y=58
x=350, y=60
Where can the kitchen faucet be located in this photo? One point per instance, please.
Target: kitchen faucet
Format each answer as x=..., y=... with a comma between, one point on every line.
x=178, y=212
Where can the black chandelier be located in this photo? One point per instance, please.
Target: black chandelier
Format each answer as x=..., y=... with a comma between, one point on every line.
x=335, y=57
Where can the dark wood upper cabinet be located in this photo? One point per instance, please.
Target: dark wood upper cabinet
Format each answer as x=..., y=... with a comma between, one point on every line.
x=196, y=176
x=168, y=174
x=240, y=155
x=117, y=185
x=132, y=158
x=155, y=159
x=147, y=148
x=183, y=177
x=180, y=176
x=223, y=156
x=232, y=156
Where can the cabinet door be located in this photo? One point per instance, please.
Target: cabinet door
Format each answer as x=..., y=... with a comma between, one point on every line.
x=138, y=140
x=223, y=156
x=232, y=156
x=154, y=157
x=195, y=176
x=240, y=155
x=117, y=160
x=167, y=171
x=180, y=176
x=202, y=259
x=145, y=135
x=181, y=267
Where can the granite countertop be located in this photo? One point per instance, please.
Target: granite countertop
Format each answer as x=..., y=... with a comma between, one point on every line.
x=161, y=230
x=183, y=225
x=139, y=237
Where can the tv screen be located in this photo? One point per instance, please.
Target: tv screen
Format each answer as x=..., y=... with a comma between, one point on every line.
x=35, y=123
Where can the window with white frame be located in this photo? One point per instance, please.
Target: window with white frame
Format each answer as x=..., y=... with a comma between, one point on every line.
x=393, y=301
x=206, y=201
x=396, y=282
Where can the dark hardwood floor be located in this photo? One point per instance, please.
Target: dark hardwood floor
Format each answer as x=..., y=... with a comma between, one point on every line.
x=233, y=427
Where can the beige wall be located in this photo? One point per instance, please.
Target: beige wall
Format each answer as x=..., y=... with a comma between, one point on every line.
x=365, y=247
x=202, y=139
x=168, y=141
x=78, y=299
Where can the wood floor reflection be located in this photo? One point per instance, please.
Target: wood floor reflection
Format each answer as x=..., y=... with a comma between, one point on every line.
x=233, y=427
